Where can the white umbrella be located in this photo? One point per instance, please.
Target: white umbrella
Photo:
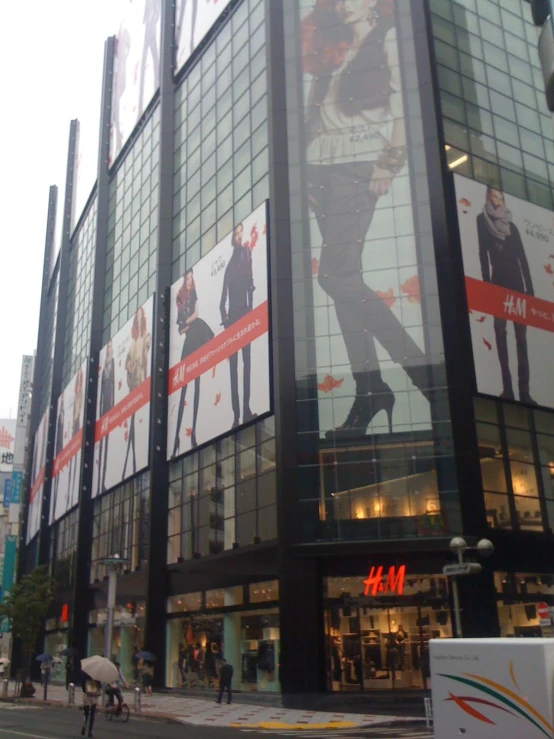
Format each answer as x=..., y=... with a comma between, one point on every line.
x=4, y=661
x=100, y=668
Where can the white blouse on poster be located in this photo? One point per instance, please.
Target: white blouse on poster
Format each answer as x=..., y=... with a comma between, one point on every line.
x=361, y=137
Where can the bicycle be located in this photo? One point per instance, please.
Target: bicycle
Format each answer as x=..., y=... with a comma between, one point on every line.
x=122, y=712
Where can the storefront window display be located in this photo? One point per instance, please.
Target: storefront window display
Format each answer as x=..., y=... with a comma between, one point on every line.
x=224, y=624
x=518, y=595
x=378, y=629
x=128, y=635
x=55, y=641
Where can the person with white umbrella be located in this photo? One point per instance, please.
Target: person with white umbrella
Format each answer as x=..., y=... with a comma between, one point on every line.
x=95, y=671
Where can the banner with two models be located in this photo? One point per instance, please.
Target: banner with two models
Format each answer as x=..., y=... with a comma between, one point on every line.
x=66, y=470
x=219, y=341
x=121, y=438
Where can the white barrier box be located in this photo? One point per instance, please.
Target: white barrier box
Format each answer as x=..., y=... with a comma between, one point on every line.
x=492, y=688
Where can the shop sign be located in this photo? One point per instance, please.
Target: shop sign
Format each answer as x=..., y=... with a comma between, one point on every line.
x=64, y=616
x=389, y=581
x=543, y=613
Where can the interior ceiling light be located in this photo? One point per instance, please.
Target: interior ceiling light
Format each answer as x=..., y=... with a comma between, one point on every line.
x=458, y=161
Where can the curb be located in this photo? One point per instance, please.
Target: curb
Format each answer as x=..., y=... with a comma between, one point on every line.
x=167, y=718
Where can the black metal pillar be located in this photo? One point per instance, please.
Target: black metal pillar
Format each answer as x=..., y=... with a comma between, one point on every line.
x=81, y=592
x=299, y=585
x=39, y=363
x=59, y=339
x=159, y=479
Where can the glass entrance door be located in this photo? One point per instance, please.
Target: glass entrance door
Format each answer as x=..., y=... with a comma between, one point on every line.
x=384, y=647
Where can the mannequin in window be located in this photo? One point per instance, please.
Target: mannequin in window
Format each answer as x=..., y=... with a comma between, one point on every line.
x=401, y=639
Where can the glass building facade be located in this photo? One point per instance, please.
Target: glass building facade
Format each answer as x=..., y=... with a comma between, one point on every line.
x=408, y=404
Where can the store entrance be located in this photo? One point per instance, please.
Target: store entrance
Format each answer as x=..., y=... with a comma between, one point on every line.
x=383, y=643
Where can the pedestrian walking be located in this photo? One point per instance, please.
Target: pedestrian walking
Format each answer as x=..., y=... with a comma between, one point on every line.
x=225, y=679
x=92, y=689
x=147, y=677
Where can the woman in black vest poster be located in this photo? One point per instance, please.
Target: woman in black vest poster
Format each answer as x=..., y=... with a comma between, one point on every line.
x=504, y=263
x=197, y=332
x=356, y=145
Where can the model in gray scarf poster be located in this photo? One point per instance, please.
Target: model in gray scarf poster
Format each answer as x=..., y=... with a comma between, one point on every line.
x=504, y=263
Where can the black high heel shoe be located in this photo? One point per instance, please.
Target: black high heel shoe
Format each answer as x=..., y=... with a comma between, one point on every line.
x=363, y=411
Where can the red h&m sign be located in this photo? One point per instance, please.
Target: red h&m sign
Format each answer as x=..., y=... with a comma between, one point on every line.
x=390, y=582
x=64, y=616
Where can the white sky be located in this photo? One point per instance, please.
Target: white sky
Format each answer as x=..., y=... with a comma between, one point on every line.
x=51, y=56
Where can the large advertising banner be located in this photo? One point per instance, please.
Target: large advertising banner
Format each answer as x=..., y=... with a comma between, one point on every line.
x=365, y=304
x=219, y=340
x=121, y=437
x=137, y=68
x=193, y=20
x=7, y=443
x=68, y=444
x=37, y=478
x=508, y=255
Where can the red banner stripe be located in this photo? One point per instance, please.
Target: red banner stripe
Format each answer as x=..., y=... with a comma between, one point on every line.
x=126, y=407
x=243, y=332
x=67, y=453
x=484, y=297
x=37, y=484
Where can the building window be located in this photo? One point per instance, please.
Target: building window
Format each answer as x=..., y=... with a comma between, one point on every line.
x=224, y=496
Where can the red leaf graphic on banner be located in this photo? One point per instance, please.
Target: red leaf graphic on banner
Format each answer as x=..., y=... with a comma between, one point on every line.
x=188, y=432
x=487, y=344
x=411, y=289
x=126, y=436
x=125, y=424
x=253, y=236
x=213, y=371
x=466, y=202
x=119, y=384
x=548, y=269
x=217, y=399
x=329, y=384
x=315, y=267
x=480, y=320
x=388, y=297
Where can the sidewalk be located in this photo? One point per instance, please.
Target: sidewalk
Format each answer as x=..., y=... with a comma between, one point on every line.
x=203, y=712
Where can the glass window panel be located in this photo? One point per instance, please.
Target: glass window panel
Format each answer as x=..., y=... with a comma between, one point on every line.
x=519, y=445
x=498, y=511
x=528, y=513
x=524, y=479
x=267, y=523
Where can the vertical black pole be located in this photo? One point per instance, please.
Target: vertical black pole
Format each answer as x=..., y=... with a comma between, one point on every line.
x=59, y=339
x=81, y=592
x=159, y=480
x=39, y=361
x=298, y=578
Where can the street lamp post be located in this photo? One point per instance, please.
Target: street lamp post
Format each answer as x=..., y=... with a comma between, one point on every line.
x=459, y=545
x=113, y=564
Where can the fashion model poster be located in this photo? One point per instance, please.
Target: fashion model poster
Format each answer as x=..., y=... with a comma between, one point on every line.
x=37, y=478
x=369, y=339
x=193, y=19
x=66, y=470
x=508, y=253
x=219, y=341
x=121, y=437
x=136, y=68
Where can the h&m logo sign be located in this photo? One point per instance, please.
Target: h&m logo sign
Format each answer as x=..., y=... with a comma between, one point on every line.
x=381, y=581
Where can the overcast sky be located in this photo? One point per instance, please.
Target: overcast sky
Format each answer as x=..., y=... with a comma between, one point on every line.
x=51, y=56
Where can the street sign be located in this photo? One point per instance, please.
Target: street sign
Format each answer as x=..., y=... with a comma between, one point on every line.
x=543, y=614
x=459, y=570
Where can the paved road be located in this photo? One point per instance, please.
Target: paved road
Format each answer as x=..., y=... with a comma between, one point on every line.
x=29, y=722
